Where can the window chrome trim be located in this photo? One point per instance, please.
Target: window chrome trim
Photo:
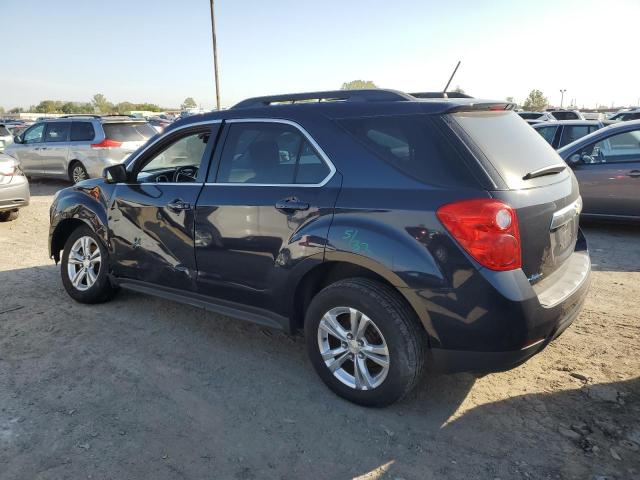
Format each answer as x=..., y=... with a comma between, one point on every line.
x=163, y=136
x=305, y=134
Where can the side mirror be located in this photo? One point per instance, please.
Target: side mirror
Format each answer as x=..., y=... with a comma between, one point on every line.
x=17, y=139
x=115, y=174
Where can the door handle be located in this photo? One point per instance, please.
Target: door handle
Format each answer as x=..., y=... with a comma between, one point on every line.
x=178, y=205
x=292, y=204
x=634, y=174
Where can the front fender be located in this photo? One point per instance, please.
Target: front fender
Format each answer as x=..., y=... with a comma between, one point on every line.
x=86, y=204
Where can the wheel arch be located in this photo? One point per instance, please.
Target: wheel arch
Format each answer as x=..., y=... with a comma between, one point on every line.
x=331, y=271
x=69, y=221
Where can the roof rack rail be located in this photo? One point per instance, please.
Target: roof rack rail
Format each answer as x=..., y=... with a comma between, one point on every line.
x=440, y=95
x=370, y=95
x=86, y=115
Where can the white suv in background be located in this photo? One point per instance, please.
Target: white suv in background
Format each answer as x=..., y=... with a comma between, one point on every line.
x=78, y=147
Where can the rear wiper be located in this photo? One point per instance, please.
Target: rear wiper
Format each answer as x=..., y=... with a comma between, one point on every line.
x=550, y=170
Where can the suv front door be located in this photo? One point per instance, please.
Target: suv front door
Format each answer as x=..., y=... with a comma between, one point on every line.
x=266, y=209
x=30, y=150
x=152, y=216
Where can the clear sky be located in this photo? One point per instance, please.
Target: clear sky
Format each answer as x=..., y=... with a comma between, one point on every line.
x=160, y=50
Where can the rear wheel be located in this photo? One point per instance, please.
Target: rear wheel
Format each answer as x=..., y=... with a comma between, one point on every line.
x=8, y=215
x=84, y=267
x=364, y=341
x=77, y=172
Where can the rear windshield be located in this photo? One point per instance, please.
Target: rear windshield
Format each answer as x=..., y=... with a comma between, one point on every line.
x=128, y=132
x=3, y=131
x=512, y=147
x=415, y=145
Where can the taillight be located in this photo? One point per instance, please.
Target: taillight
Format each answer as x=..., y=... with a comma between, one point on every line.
x=487, y=229
x=106, y=143
x=9, y=169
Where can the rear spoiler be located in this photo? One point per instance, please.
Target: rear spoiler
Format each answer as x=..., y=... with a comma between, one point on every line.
x=480, y=105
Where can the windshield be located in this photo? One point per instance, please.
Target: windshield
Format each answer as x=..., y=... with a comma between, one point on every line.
x=3, y=131
x=530, y=116
x=512, y=147
x=128, y=132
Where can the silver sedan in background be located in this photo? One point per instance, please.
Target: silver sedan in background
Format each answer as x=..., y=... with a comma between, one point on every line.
x=14, y=188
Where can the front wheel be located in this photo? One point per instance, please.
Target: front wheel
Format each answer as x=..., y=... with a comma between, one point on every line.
x=364, y=341
x=85, y=266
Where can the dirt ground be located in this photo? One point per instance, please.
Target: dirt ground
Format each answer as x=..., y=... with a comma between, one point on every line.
x=145, y=388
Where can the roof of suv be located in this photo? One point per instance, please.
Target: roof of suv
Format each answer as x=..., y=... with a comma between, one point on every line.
x=343, y=103
x=100, y=118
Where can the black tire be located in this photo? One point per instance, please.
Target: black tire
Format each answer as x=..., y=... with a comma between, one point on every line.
x=77, y=172
x=396, y=321
x=9, y=215
x=101, y=290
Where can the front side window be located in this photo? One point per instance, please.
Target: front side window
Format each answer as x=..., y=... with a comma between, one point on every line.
x=34, y=134
x=179, y=161
x=623, y=147
x=269, y=153
x=57, y=132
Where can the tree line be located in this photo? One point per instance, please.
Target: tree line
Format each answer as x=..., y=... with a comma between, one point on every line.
x=98, y=105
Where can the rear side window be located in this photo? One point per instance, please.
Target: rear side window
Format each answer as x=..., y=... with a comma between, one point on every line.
x=510, y=145
x=128, y=132
x=571, y=133
x=269, y=153
x=82, y=131
x=57, y=132
x=415, y=145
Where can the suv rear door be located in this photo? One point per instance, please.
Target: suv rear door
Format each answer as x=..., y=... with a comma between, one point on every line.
x=265, y=209
x=55, y=149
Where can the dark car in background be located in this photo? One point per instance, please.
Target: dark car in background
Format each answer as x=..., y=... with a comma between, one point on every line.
x=607, y=166
x=396, y=232
x=626, y=116
x=561, y=133
x=566, y=114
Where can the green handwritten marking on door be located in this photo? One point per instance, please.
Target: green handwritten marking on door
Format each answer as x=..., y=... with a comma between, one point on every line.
x=354, y=243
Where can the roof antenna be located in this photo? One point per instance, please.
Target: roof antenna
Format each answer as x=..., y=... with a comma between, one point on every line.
x=444, y=92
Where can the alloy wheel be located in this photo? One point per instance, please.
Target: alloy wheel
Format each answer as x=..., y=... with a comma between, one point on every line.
x=83, y=264
x=353, y=348
x=78, y=174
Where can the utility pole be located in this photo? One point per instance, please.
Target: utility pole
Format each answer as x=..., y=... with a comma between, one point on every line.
x=215, y=55
x=562, y=90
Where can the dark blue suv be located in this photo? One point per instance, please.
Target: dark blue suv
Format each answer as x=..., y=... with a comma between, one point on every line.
x=397, y=232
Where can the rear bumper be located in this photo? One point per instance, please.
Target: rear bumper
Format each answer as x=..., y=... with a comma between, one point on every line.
x=14, y=195
x=451, y=361
x=504, y=320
